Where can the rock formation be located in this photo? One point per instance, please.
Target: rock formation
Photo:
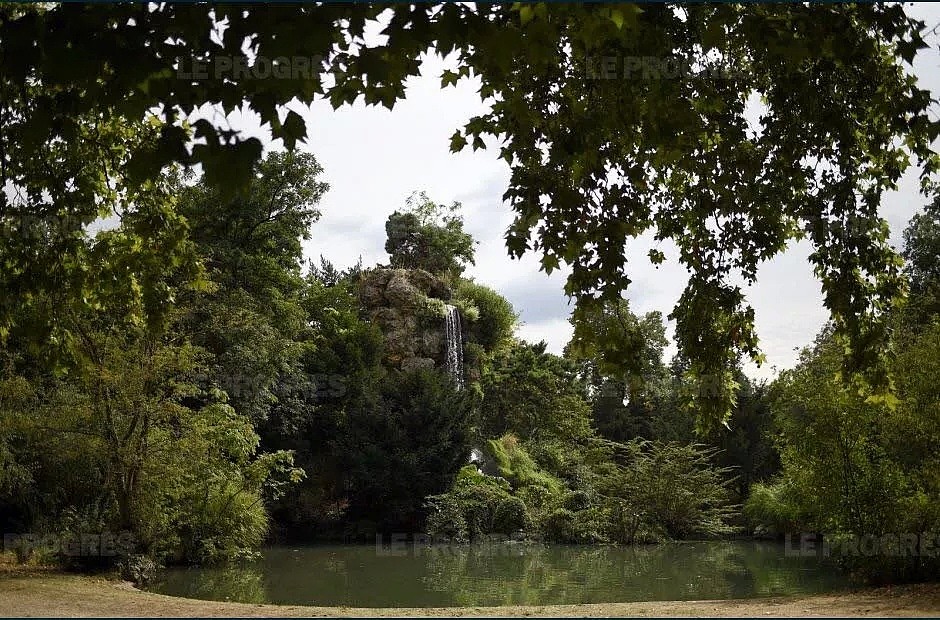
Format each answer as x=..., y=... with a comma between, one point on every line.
x=409, y=307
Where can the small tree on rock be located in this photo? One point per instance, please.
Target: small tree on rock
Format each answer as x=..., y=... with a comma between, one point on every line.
x=429, y=236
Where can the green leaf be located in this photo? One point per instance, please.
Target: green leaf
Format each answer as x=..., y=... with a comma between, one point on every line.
x=293, y=129
x=457, y=142
x=549, y=263
x=449, y=78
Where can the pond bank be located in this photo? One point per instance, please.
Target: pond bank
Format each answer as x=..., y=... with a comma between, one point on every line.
x=50, y=593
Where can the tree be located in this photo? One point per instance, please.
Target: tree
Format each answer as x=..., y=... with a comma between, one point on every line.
x=595, y=162
x=428, y=236
x=746, y=446
x=404, y=437
x=253, y=241
x=252, y=321
x=55, y=266
x=106, y=424
x=621, y=356
x=854, y=465
x=496, y=318
x=534, y=395
x=342, y=354
x=921, y=252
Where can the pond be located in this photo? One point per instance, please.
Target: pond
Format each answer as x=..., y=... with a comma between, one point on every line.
x=506, y=574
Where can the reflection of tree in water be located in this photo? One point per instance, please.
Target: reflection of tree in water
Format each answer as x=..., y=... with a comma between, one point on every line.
x=559, y=574
x=509, y=575
x=351, y=575
x=498, y=575
x=239, y=582
x=742, y=580
x=771, y=573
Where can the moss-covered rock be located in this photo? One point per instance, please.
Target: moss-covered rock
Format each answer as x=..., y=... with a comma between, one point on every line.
x=409, y=306
x=402, y=294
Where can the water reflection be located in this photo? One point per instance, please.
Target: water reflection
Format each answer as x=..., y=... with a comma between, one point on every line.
x=508, y=574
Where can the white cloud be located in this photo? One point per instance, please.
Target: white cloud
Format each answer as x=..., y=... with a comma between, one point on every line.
x=555, y=332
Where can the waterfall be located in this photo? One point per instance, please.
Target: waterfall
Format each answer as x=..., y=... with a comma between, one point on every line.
x=453, y=341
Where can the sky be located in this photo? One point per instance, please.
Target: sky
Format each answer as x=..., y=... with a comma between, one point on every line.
x=374, y=158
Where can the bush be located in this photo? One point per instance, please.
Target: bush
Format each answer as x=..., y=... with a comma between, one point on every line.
x=496, y=317
x=677, y=488
x=468, y=511
x=469, y=313
x=554, y=456
x=625, y=524
x=771, y=510
x=229, y=524
x=511, y=516
x=576, y=500
x=204, y=502
x=186, y=483
x=559, y=526
x=537, y=498
x=446, y=519
x=473, y=354
x=434, y=308
x=515, y=464
x=138, y=569
x=575, y=526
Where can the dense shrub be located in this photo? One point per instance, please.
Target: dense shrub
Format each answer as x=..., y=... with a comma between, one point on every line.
x=511, y=516
x=559, y=526
x=403, y=437
x=576, y=500
x=446, y=520
x=469, y=313
x=137, y=568
x=113, y=448
x=515, y=464
x=678, y=488
x=537, y=498
x=770, y=509
x=575, y=526
x=471, y=508
x=624, y=493
x=495, y=318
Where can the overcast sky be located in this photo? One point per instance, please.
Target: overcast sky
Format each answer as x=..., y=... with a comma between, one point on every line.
x=375, y=158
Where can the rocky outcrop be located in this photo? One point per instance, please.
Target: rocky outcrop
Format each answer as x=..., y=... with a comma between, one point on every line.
x=406, y=304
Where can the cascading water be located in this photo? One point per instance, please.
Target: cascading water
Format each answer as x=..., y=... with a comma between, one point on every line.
x=453, y=341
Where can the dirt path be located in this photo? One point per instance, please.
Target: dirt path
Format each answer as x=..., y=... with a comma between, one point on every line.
x=57, y=594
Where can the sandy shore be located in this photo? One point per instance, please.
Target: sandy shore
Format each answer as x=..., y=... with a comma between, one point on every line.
x=50, y=593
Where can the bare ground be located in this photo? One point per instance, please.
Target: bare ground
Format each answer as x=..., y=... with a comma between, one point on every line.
x=51, y=593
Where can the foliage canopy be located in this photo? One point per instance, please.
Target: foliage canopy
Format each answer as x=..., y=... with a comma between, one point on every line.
x=595, y=162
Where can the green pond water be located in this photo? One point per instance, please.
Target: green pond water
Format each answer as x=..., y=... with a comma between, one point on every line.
x=364, y=576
